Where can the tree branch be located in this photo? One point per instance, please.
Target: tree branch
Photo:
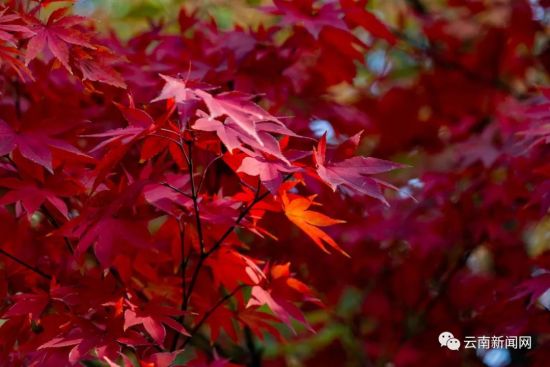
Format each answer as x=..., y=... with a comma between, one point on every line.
x=56, y=224
x=257, y=198
x=438, y=59
x=255, y=353
x=183, y=264
x=203, y=175
x=418, y=6
x=166, y=184
x=444, y=282
x=194, y=197
x=24, y=264
x=209, y=313
x=70, y=246
x=205, y=254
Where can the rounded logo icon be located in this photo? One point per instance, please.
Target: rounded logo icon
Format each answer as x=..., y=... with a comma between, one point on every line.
x=453, y=344
x=444, y=337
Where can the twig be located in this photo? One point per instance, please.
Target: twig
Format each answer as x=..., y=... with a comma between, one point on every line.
x=70, y=246
x=169, y=131
x=17, y=91
x=56, y=224
x=418, y=6
x=203, y=175
x=257, y=198
x=194, y=197
x=183, y=264
x=183, y=267
x=438, y=59
x=255, y=353
x=444, y=283
x=218, y=243
x=209, y=313
x=205, y=254
x=176, y=189
x=166, y=137
x=28, y=266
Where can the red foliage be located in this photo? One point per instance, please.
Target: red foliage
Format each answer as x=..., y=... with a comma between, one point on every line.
x=158, y=208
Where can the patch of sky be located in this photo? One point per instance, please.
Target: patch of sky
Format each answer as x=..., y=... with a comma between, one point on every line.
x=406, y=191
x=377, y=61
x=319, y=127
x=495, y=357
x=84, y=7
x=539, y=12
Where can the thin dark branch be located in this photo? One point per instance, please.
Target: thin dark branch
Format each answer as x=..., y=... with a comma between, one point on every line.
x=418, y=6
x=257, y=198
x=194, y=278
x=167, y=138
x=444, y=282
x=205, y=254
x=70, y=247
x=176, y=189
x=183, y=267
x=186, y=294
x=203, y=175
x=425, y=305
x=437, y=58
x=209, y=313
x=246, y=184
x=172, y=140
x=56, y=224
x=183, y=264
x=255, y=353
x=218, y=243
x=24, y=264
x=170, y=131
x=17, y=91
x=194, y=197
x=187, y=156
x=10, y=161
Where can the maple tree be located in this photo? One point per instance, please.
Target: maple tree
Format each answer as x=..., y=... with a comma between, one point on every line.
x=334, y=186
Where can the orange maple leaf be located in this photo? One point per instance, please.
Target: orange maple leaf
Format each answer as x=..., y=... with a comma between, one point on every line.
x=296, y=210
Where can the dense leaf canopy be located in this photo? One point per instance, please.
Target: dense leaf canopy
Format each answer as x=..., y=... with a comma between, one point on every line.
x=289, y=183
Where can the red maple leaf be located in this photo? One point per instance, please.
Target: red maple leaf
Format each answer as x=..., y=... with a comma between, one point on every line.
x=10, y=33
x=35, y=140
x=353, y=173
x=356, y=14
x=9, y=29
x=153, y=318
x=33, y=194
x=240, y=109
x=58, y=34
x=280, y=295
x=306, y=14
x=269, y=171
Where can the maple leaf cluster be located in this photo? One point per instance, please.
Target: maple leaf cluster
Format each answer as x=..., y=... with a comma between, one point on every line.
x=166, y=200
